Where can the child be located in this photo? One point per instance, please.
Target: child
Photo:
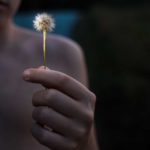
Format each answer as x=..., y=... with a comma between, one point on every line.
x=63, y=111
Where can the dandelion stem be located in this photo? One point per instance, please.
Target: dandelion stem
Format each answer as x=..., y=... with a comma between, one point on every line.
x=44, y=47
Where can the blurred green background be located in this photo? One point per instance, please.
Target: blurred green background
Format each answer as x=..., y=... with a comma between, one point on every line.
x=114, y=35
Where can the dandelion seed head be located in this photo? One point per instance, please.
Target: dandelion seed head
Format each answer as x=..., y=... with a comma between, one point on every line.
x=44, y=22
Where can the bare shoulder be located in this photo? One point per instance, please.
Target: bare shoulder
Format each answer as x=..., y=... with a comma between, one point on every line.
x=65, y=48
x=70, y=55
x=63, y=54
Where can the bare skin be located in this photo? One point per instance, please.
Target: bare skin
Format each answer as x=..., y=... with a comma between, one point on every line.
x=58, y=108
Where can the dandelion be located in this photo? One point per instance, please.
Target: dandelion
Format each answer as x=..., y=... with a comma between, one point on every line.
x=44, y=23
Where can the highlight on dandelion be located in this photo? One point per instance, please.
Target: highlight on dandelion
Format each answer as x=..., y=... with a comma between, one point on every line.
x=44, y=23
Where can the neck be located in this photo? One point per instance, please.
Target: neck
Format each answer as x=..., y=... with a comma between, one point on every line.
x=5, y=34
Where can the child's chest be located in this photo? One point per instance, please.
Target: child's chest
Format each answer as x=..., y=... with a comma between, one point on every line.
x=15, y=95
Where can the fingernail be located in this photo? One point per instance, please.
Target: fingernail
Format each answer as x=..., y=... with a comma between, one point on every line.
x=26, y=75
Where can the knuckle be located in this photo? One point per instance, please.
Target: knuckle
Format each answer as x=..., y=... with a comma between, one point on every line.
x=89, y=118
x=72, y=145
x=91, y=100
x=93, y=97
x=81, y=133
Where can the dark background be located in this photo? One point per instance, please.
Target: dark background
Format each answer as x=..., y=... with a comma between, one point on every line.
x=75, y=4
x=114, y=35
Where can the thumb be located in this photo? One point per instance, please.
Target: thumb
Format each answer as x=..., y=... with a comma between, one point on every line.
x=43, y=67
x=26, y=73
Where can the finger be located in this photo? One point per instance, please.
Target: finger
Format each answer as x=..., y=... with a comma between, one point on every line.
x=59, y=81
x=51, y=139
x=57, y=122
x=61, y=103
x=43, y=67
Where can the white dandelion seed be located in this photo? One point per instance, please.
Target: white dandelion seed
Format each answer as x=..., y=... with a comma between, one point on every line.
x=44, y=22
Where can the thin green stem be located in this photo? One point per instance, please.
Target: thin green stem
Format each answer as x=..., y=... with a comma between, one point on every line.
x=44, y=47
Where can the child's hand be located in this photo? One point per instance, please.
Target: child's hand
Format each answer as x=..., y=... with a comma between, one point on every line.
x=64, y=111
